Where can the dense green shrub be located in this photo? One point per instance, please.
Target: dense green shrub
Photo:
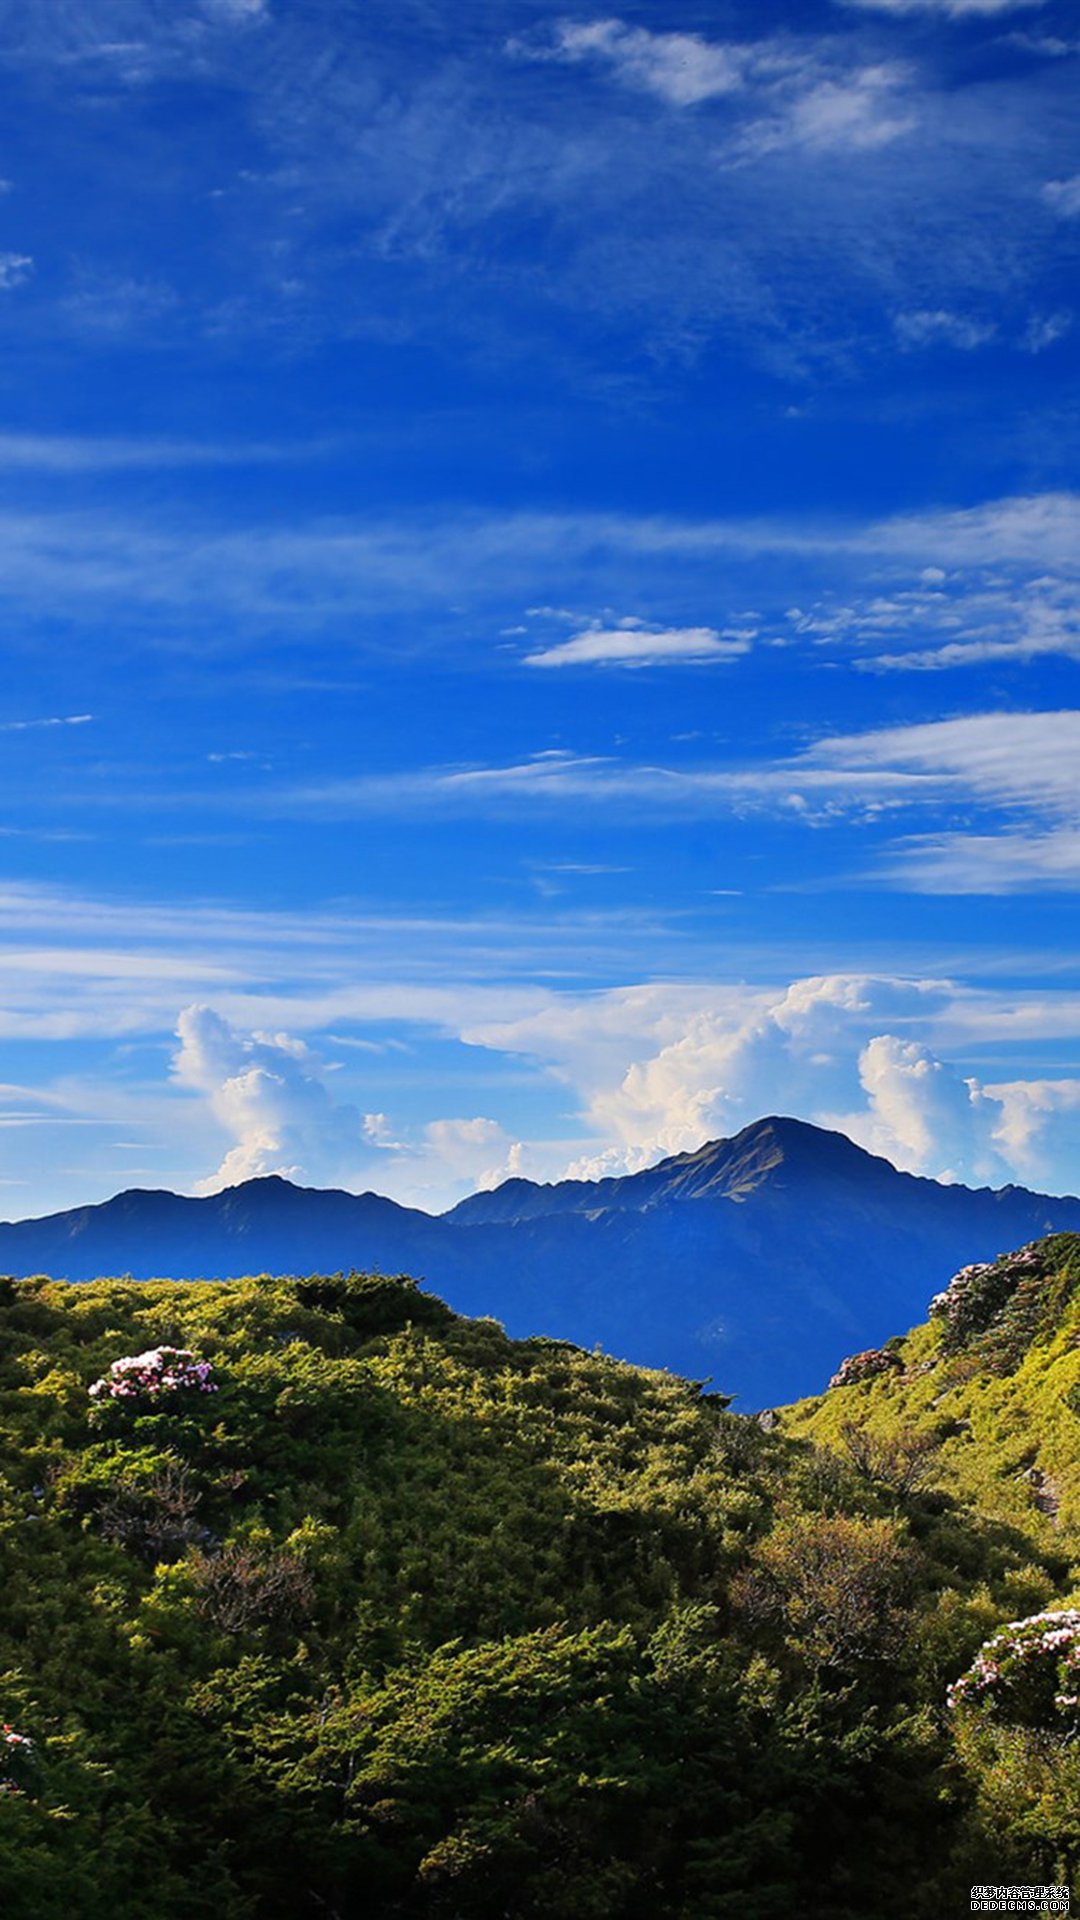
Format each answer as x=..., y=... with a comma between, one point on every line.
x=407, y=1619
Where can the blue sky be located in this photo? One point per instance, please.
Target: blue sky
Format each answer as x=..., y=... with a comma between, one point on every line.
x=540, y=584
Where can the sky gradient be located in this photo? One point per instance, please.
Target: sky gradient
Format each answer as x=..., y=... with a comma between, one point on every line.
x=540, y=584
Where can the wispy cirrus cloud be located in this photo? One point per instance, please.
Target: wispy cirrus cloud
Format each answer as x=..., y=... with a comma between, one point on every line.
x=1045, y=330
x=1028, y=861
x=556, y=778
x=83, y=561
x=48, y=720
x=116, y=453
x=951, y=9
x=742, y=224
x=237, y=10
x=1018, y=768
x=942, y=328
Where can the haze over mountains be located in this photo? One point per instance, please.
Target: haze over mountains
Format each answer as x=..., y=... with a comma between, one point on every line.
x=758, y=1261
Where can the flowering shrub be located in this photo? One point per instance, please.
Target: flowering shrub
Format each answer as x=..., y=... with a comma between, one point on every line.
x=160, y=1370
x=16, y=1753
x=863, y=1366
x=1028, y=1673
x=976, y=1295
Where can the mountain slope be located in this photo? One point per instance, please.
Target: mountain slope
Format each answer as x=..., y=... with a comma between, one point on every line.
x=987, y=1390
x=392, y=1616
x=756, y=1261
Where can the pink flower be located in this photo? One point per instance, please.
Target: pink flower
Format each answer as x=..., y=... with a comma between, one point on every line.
x=160, y=1370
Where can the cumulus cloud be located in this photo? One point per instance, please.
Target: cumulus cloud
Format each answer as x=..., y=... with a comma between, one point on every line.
x=633, y=645
x=922, y=1114
x=267, y=1091
x=1031, y=1111
x=668, y=1073
x=477, y=1152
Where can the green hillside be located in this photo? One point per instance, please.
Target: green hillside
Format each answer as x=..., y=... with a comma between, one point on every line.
x=342, y=1605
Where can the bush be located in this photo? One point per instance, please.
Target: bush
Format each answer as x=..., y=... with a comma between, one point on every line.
x=240, y=1587
x=1028, y=1673
x=16, y=1760
x=156, y=1519
x=903, y=1464
x=864, y=1366
x=161, y=1370
x=838, y=1586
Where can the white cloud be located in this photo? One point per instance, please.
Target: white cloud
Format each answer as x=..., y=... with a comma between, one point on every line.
x=681, y=69
x=52, y=720
x=557, y=778
x=1050, y=45
x=1032, y=1114
x=204, y=580
x=1064, y=196
x=637, y=646
x=981, y=863
x=267, y=1092
x=477, y=1152
x=1001, y=759
x=939, y=327
x=921, y=1112
x=15, y=268
x=953, y=9
x=73, y=453
x=961, y=618
x=1045, y=330
x=668, y=1073
x=807, y=102
x=237, y=10
x=1020, y=764
x=902, y=1064
x=1040, y=529
x=862, y=110
x=1026, y=760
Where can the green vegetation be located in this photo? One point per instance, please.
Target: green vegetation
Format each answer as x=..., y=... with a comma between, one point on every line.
x=333, y=1603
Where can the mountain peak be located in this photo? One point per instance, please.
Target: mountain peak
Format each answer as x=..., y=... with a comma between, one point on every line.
x=777, y=1147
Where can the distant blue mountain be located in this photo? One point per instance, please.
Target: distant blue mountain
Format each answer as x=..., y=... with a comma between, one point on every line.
x=757, y=1261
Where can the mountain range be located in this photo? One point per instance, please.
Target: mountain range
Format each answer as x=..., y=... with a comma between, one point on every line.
x=757, y=1262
